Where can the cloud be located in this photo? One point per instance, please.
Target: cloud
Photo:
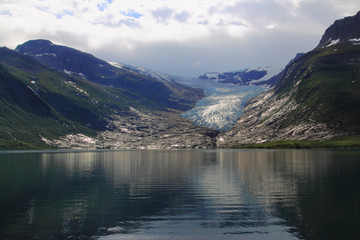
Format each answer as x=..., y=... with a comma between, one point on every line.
x=130, y=22
x=63, y=13
x=172, y=36
x=162, y=15
x=182, y=17
x=217, y=52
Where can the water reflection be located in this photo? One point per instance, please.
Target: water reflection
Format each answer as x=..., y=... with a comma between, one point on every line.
x=227, y=194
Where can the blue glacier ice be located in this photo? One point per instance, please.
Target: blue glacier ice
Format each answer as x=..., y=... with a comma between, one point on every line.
x=223, y=104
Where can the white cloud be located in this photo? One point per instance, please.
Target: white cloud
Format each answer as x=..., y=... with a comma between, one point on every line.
x=223, y=32
x=182, y=17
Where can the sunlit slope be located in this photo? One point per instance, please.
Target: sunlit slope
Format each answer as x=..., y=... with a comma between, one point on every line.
x=24, y=117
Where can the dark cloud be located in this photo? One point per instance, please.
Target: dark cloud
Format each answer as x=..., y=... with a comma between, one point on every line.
x=234, y=23
x=217, y=52
x=239, y=40
x=310, y=9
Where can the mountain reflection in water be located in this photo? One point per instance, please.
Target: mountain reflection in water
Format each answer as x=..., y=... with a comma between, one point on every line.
x=213, y=194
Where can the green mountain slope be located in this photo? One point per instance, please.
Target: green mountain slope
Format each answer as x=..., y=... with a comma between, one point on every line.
x=75, y=99
x=141, y=90
x=39, y=101
x=327, y=84
x=317, y=97
x=24, y=117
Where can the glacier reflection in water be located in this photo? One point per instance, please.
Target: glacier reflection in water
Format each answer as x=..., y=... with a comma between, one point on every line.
x=213, y=194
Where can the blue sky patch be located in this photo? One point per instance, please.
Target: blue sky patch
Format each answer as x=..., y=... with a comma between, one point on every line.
x=132, y=13
x=104, y=5
x=63, y=13
x=6, y=12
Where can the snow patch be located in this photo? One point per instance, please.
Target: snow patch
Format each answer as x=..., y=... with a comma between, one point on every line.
x=333, y=42
x=212, y=76
x=270, y=72
x=78, y=90
x=82, y=75
x=67, y=72
x=46, y=54
x=115, y=64
x=145, y=71
x=355, y=41
x=74, y=73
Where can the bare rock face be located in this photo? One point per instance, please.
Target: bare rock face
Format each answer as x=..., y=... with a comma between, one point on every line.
x=265, y=120
x=341, y=31
x=143, y=130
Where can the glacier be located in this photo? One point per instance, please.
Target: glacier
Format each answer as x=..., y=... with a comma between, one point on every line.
x=222, y=105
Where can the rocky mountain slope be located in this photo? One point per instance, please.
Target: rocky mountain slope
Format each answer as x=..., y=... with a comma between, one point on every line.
x=260, y=76
x=317, y=96
x=49, y=104
x=343, y=30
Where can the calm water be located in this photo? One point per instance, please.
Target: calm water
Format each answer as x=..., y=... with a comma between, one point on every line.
x=219, y=194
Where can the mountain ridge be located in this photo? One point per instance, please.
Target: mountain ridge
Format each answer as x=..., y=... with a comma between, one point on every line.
x=85, y=113
x=316, y=97
x=56, y=96
x=84, y=65
x=261, y=76
x=342, y=30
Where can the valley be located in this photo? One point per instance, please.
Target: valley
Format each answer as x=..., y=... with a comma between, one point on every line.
x=58, y=97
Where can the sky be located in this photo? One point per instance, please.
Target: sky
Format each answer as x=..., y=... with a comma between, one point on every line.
x=179, y=37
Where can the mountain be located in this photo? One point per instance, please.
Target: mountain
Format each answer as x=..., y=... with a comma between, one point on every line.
x=222, y=104
x=316, y=98
x=88, y=103
x=342, y=31
x=24, y=117
x=260, y=76
x=147, y=90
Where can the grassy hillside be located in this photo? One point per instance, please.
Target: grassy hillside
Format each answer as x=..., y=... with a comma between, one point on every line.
x=24, y=117
x=339, y=142
x=325, y=83
x=317, y=98
x=139, y=90
x=39, y=101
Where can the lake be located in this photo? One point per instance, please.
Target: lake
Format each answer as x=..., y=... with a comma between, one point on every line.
x=186, y=194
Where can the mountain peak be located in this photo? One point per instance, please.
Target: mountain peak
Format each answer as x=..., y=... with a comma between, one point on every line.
x=37, y=43
x=342, y=30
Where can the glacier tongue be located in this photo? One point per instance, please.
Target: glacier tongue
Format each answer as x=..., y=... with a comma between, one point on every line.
x=222, y=105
